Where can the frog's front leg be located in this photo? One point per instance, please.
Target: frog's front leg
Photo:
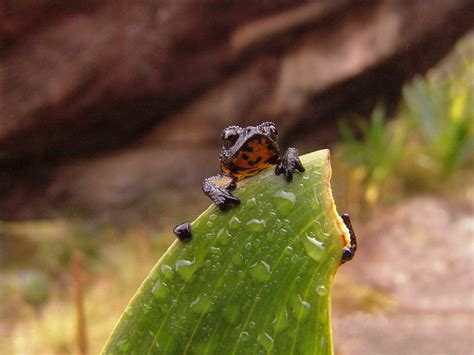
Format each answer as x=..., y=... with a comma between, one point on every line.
x=289, y=163
x=219, y=188
x=349, y=251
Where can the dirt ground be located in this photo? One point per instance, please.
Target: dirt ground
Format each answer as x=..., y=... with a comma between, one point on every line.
x=410, y=289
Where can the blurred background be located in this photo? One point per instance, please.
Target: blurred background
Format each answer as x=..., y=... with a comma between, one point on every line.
x=110, y=118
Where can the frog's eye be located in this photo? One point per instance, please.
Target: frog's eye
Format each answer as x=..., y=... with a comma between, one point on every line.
x=269, y=129
x=272, y=131
x=230, y=135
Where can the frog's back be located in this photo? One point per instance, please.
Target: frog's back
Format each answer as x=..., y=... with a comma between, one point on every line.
x=256, y=154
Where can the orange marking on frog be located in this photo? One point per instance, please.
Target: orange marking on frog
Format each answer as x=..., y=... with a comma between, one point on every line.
x=254, y=156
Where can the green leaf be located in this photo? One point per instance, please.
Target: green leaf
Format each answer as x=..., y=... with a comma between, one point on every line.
x=255, y=279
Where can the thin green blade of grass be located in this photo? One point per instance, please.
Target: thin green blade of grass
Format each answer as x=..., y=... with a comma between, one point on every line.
x=255, y=279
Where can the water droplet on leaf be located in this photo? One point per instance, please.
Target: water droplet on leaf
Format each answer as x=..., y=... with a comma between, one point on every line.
x=284, y=202
x=223, y=237
x=186, y=268
x=244, y=336
x=251, y=202
x=260, y=272
x=167, y=271
x=234, y=222
x=314, y=248
x=256, y=225
x=266, y=341
x=160, y=290
x=321, y=290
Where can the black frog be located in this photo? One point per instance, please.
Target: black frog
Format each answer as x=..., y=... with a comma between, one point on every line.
x=244, y=153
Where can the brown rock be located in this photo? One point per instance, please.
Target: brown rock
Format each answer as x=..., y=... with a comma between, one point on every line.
x=77, y=81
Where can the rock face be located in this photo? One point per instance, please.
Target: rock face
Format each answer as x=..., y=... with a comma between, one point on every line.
x=100, y=100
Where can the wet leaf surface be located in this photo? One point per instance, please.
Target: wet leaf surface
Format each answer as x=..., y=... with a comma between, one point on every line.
x=255, y=279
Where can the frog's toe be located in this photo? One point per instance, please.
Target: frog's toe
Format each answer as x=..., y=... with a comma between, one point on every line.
x=299, y=166
x=289, y=163
x=283, y=168
x=232, y=185
x=279, y=169
x=347, y=254
x=226, y=200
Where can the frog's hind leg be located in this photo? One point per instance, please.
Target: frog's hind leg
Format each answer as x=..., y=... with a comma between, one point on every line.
x=219, y=188
x=349, y=251
x=183, y=231
x=289, y=163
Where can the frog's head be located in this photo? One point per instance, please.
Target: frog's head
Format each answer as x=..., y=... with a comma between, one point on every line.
x=246, y=151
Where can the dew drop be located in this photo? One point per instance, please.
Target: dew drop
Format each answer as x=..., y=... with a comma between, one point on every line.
x=256, y=225
x=186, y=268
x=317, y=171
x=195, y=302
x=215, y=250
x=260, y=272
x=160, y=290
x=147, y=308
x=251, y=202
x=209, y=223
x=212, y=217
x=122, y=344
x=234, y=222
x=244, y=336
x=167, y=271
x=301, y=307
x=304, y=303
x=321, y=290
x=314, y=248
x=248, y=246
x=266, y=341
x=284, y=202
x=201, y=304
x=223, y=237
x=280, y=323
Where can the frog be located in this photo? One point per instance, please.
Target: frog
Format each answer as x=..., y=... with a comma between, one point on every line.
x=349, y=250
x=245, y=152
